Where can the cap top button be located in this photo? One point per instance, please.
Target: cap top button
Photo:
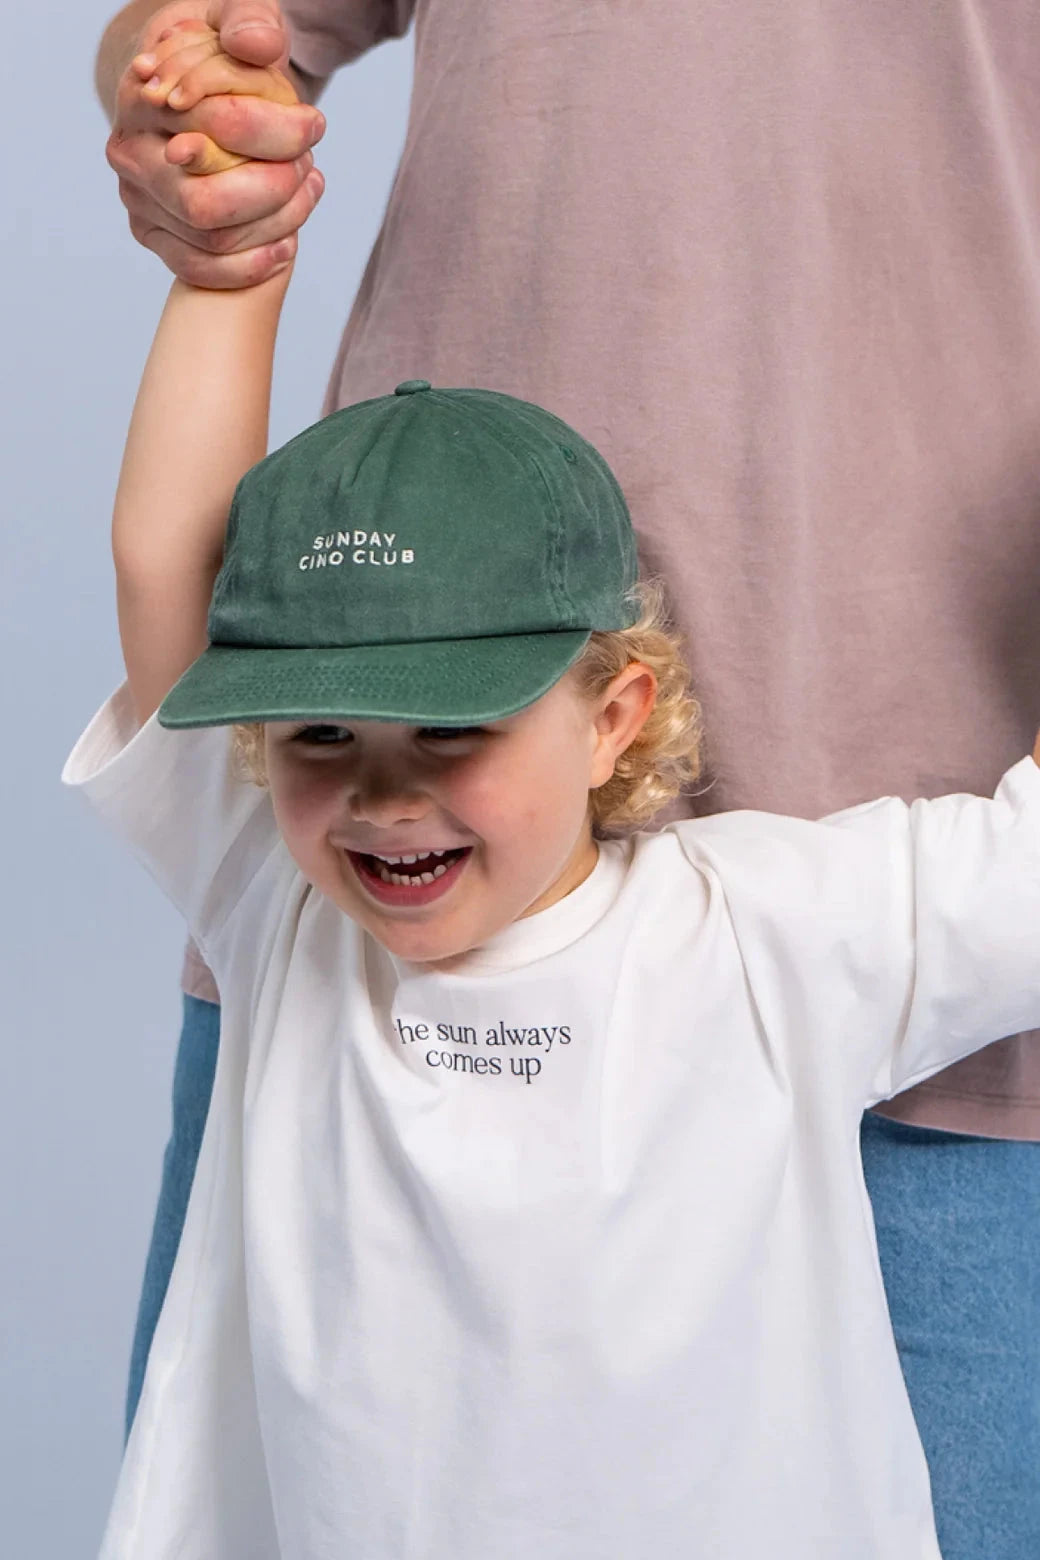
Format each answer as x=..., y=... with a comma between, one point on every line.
x=410, y=386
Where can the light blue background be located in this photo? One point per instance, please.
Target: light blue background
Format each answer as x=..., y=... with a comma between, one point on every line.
x=91, y=951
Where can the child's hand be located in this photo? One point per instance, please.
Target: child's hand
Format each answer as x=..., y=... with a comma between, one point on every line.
x=186, y=65
x=232, y=229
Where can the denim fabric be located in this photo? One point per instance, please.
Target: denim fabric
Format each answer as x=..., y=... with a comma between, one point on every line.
x=958, y=1226
x=192, y=1086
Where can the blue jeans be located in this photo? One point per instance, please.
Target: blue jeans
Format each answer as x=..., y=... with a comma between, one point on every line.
x=958, y=1224
x=192, y=1087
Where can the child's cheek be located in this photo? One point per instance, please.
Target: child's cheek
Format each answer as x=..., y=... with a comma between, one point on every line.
x=304, y=804
x=484, y=801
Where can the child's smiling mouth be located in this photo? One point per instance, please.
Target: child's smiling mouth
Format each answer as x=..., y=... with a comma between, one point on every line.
x=409, y=880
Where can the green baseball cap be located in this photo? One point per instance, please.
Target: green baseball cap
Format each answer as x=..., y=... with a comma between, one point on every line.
x=438, y=557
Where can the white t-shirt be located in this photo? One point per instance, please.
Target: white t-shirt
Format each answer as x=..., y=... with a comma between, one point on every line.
x=566, y=1254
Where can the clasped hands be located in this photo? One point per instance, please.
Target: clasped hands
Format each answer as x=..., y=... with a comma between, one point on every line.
x=212, y=144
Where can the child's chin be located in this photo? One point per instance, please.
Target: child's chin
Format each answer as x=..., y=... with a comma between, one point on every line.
x=439, y=940
x=425, y=945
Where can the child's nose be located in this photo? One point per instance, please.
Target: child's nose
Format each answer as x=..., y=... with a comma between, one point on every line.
x=385, y=800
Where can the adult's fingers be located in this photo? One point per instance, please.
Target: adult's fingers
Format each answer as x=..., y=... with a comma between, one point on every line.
x=220, y=272
x=145, y=214
x=251, y=30
x=255, y=127
x=271, y=132
x=244, y=194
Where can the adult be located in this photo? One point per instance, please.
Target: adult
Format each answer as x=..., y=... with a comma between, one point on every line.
x=781, y=262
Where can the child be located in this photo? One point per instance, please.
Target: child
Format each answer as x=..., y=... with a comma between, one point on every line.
x=529, y=1218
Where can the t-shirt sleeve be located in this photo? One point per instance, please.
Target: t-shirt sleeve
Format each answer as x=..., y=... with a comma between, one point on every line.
x=905, y=936
x=977, y=923
x=175, y=796
x=324, y=34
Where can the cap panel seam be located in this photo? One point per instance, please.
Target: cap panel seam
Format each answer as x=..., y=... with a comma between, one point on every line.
x=561, y=600
x=378, y=429
x=526, y=458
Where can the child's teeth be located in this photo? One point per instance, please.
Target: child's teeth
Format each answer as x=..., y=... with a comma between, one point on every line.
x=385, y=864
x=409, y=861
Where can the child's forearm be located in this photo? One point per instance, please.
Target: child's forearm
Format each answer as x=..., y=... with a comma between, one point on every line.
x=200, y=421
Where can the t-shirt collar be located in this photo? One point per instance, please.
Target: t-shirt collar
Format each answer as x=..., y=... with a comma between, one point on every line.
x=537, y=936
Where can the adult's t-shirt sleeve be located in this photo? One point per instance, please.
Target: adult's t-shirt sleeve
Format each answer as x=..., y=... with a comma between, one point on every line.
x=893, y=939
x=201, y=829
x=325, y=34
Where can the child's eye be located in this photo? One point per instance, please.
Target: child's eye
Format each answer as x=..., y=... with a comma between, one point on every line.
x=321, y=736
x=449, y=733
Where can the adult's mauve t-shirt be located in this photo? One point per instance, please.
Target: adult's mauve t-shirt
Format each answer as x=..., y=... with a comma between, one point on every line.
x=780, y=262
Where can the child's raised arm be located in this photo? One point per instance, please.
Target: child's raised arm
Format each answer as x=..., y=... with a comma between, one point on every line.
x=199, y=423
x=201, y=415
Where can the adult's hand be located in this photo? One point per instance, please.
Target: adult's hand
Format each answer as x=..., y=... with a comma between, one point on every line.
x=228, y=229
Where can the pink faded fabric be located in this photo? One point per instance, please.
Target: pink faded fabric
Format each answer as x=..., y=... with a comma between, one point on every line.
x=781, y=263
x=197, y=977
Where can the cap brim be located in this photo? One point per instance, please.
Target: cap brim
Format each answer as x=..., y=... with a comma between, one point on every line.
x=449, y=683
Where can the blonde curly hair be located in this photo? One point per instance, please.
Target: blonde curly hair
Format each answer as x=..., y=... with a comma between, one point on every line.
x=662, y=760
x=664, y=757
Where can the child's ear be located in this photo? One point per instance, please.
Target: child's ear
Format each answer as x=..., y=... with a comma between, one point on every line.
x=621, y=712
